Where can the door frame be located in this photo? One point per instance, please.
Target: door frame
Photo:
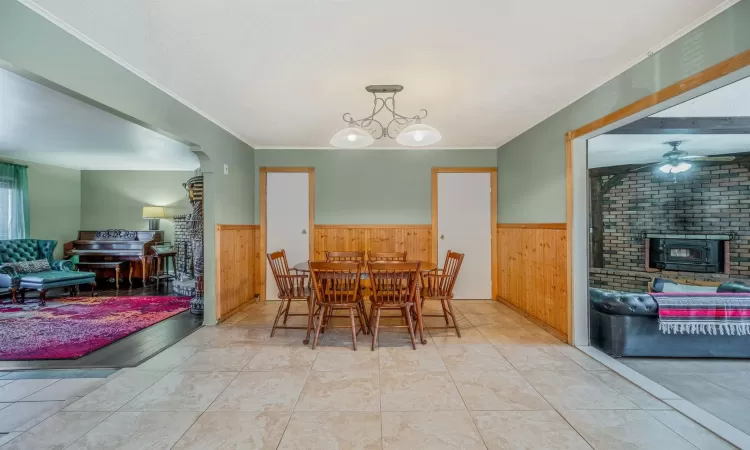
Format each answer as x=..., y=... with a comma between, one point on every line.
x=714, y=77
x=264, y=171
x=493, y=214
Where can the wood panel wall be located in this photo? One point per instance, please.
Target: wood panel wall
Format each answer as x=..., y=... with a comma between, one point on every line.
x=415, y=240
x=532, y=271
x=237, y=267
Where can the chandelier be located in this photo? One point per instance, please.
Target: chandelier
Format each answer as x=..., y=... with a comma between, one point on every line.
x=408, y=131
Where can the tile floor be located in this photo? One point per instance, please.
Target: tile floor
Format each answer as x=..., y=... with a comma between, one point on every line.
x=719, y=386
x=506, y=384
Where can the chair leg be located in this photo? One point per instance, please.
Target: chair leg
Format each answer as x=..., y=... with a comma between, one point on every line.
x=377, y=326
x=354, y=328
x=445, y=311
x=453, y=316
x=321, y=314
x=93, y=288
x=363, y=320
x=407, y=314
x=43, y=297
x=310, y=314
x=286, y=312
x=278, y=316
x=13, y=295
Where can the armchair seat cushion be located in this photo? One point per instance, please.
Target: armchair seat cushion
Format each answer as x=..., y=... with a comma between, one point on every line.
x=55, y=276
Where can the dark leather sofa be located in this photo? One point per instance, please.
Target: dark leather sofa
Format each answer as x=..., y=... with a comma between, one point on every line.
x=627, y=324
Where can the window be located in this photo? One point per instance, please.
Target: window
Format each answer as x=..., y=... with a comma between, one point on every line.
x=6, y=208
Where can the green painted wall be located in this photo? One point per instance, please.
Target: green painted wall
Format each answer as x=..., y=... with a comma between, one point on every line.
x=54, y=203
x=114, y=199
x=531, y=168
x=30, y=42
x=373, y=186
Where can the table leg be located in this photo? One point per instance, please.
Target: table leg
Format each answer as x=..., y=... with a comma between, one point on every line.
x=117, y=277
x=144, y=275
x=158, y=271
x=420, y=324
x=130, y=273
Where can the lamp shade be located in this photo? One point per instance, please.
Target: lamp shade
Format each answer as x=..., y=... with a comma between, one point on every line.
x=418, y=135
x=154, y=212
x=352, y=137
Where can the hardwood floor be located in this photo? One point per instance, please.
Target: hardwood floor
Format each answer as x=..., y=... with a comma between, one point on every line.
x=129, y=351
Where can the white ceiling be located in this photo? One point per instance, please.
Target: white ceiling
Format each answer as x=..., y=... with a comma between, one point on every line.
x=729, y=101
x=279, y=74
x=39, y=124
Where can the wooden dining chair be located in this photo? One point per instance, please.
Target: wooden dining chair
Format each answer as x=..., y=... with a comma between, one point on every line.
x=292, y=287
x=337, y=287
x=345, y=256
x=394, y=286
x=438, y=285
x=386, y=256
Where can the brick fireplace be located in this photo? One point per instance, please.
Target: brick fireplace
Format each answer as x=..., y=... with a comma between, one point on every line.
x=712, y=201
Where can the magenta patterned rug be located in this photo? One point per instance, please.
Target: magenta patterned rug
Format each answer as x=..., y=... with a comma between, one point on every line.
x=71, y=327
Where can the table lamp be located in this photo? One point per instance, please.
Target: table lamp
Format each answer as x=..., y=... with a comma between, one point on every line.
x=153, y=214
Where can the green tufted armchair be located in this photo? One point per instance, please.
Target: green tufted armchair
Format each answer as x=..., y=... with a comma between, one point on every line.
x=59, y=274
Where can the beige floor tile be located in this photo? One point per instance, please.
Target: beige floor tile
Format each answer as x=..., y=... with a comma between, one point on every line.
x=20, y=389
x=497, y=319
x=4, y=382
x=22, y=416
x=58, y=431
x=691, y=431
x=410, y=360
x=419, y=391
x=481, y=307
x=499, y=335
x=7, y=437
x=340, y=391
x=287, y=338
x=502, y=390
x=282, y=359
x=342, y=360
x=235, y=430
x=229, y=359
x=182, y=391
x=580, y=358
x=261, y=391
x=434, y=430
x=137, y=431
x=4, y=405
x=399, y=339
x=506, y=430
x=576, y=390
x=117, y=391
x=641, y=398
x=615, y=430
x=66, y=389
x=169, y=359
x=473, y=358
x=525, y=357
x=333, y=430
x=449, y=337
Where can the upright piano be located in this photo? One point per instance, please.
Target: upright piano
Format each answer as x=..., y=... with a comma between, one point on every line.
x=116, y=245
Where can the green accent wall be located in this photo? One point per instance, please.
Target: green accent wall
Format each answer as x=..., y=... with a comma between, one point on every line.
x=54, y=203
x=373, y=186
x=115, y=199
x=531, y=167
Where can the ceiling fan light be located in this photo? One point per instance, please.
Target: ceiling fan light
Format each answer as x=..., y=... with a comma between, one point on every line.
x=666, y=168
x=352, y=137
x=682, y=167
x=418, y=135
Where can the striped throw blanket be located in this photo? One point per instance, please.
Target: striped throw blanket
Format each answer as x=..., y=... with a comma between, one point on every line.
x=702, y=313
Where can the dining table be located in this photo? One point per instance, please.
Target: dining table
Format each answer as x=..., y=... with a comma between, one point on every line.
x=424, y=267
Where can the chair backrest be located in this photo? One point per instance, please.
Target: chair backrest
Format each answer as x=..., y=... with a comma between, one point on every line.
x=345, y=256
x=441, y=285
x=386, y=256
x=280, y=270
x=335, y=281
x=393, y=282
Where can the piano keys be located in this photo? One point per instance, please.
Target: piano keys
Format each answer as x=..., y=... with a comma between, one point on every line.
x=116, y=245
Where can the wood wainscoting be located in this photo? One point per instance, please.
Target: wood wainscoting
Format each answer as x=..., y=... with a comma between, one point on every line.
x=415, y=240
x=237, y=267
x=532, y=264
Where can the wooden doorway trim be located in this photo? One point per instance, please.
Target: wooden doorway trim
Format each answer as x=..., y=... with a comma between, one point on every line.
x=311, y=226
x=726, y=67
x=493, y=213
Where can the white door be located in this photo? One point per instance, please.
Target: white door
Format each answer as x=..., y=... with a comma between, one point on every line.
x=464, y=226
x=287, y=220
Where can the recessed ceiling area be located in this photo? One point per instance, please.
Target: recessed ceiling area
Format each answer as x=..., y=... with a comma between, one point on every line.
x=715, y=123
x=39, y=124
x=280, y=74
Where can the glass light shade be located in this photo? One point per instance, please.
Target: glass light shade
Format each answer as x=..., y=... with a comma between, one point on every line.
x=672, y=168
x=154, y=212
x=418, y=135
x=352, y=137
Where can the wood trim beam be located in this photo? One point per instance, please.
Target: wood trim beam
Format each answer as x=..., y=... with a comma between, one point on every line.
x=540, y=226
x=714, y=72
x=224, y=227
x=569, y=235
x=686, y=125
x=464, y=169
x=333, y=226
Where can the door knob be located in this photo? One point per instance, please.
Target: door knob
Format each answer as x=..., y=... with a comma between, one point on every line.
x=442, y=236
x=304, y=231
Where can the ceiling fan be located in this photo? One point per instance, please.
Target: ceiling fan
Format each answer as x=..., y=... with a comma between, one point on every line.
x=676, y=160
